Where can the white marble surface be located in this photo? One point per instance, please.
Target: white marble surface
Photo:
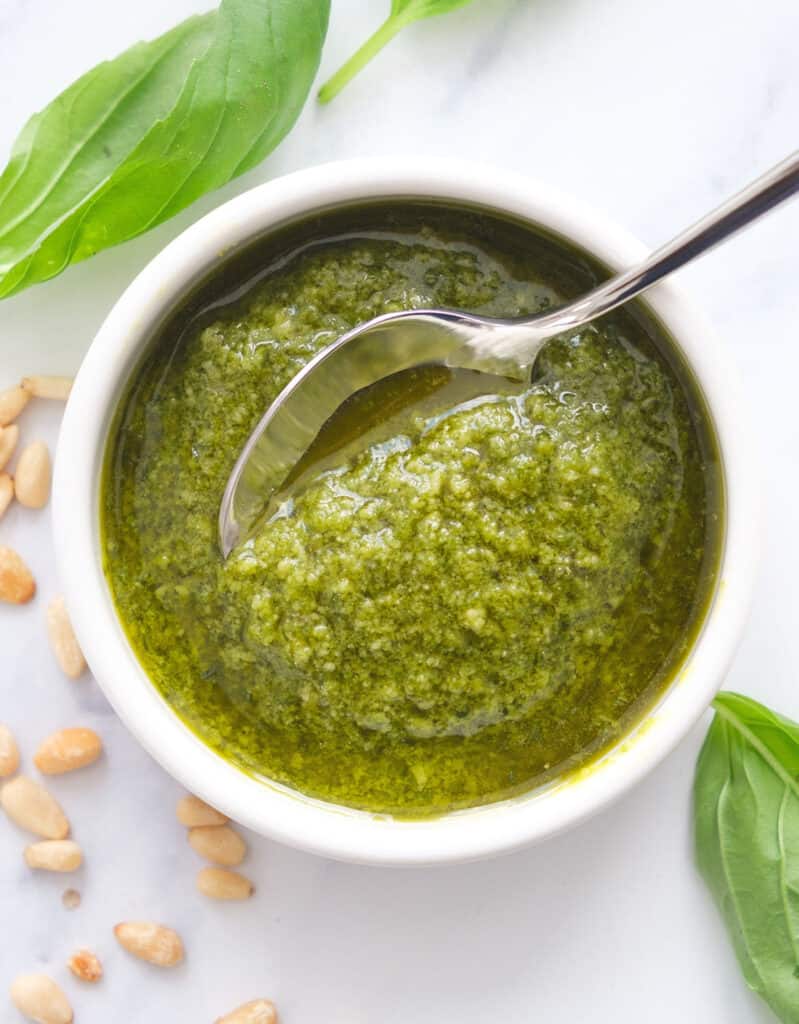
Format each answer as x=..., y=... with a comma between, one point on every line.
x=651, y=111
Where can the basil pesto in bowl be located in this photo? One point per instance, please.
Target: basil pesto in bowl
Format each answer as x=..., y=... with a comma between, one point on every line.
x=473, y=604
x=468, y=633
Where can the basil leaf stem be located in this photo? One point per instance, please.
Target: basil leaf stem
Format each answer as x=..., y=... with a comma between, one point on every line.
x=403, y=13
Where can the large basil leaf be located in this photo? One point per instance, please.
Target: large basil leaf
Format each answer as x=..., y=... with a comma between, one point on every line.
x=140, y=137
x=403, y=13
x=746, y=804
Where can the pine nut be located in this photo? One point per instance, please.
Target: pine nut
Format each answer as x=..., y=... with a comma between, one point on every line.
x=12, y=402
x=67, y=750
x=31, y=807
x=63, y=640
x=41, y=1000
x=154, y=943
x=192, y=811
x=221, y=884
x=17, y=585
x=54, y=855
x=86, y=966
x=260, y=1011
x=48, y=387
x=6, y=493
x=32, y=478
x=8, y=442
x=218, y=843
x=70, y=898
x=9, y=752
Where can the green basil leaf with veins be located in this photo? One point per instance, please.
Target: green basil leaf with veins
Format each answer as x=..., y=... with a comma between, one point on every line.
x=403, y=13
x=746, y=806
x=140, y=137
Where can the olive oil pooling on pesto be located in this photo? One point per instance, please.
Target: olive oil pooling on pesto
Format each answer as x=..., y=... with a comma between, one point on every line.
x=465, y=608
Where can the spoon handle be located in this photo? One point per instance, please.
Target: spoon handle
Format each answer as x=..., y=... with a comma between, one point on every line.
x=768, y=191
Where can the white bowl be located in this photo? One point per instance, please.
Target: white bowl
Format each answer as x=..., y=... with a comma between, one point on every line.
x=271, y=809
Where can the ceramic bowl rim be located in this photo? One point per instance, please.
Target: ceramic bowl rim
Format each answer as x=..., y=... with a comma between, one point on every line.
x=311, y=825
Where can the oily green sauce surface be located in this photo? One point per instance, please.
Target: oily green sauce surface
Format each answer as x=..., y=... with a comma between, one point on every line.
x=469, y=607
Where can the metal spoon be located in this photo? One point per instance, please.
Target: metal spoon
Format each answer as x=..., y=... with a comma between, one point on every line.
x=400, y=341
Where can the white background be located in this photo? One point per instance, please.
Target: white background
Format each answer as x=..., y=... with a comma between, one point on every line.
x=651, y=111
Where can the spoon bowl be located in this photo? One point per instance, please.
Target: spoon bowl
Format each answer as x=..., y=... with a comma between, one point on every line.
x=371, y=352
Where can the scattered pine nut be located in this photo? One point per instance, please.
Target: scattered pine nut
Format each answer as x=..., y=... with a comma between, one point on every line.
x=85, y=966
x=33, y=475
x=8, y=442
x=12, y=402
x=70, y=899
x=192, y=811
x=48, y=387
x=41, y=1000
x=260, y=1011
x=63, y=640
x=6, y=493
x=222, y=884
x=154, y=943
x=67, y=750
x=17, y=585
x=54, y=855
x=9, y=752
x=218, y=843
x=29, y=805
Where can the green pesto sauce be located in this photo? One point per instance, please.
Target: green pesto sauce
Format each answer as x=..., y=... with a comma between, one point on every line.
x=476, y=604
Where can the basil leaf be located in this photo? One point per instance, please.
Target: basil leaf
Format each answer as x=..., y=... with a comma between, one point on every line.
x=140, y=137
x=403, y=13
x=746, y=805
